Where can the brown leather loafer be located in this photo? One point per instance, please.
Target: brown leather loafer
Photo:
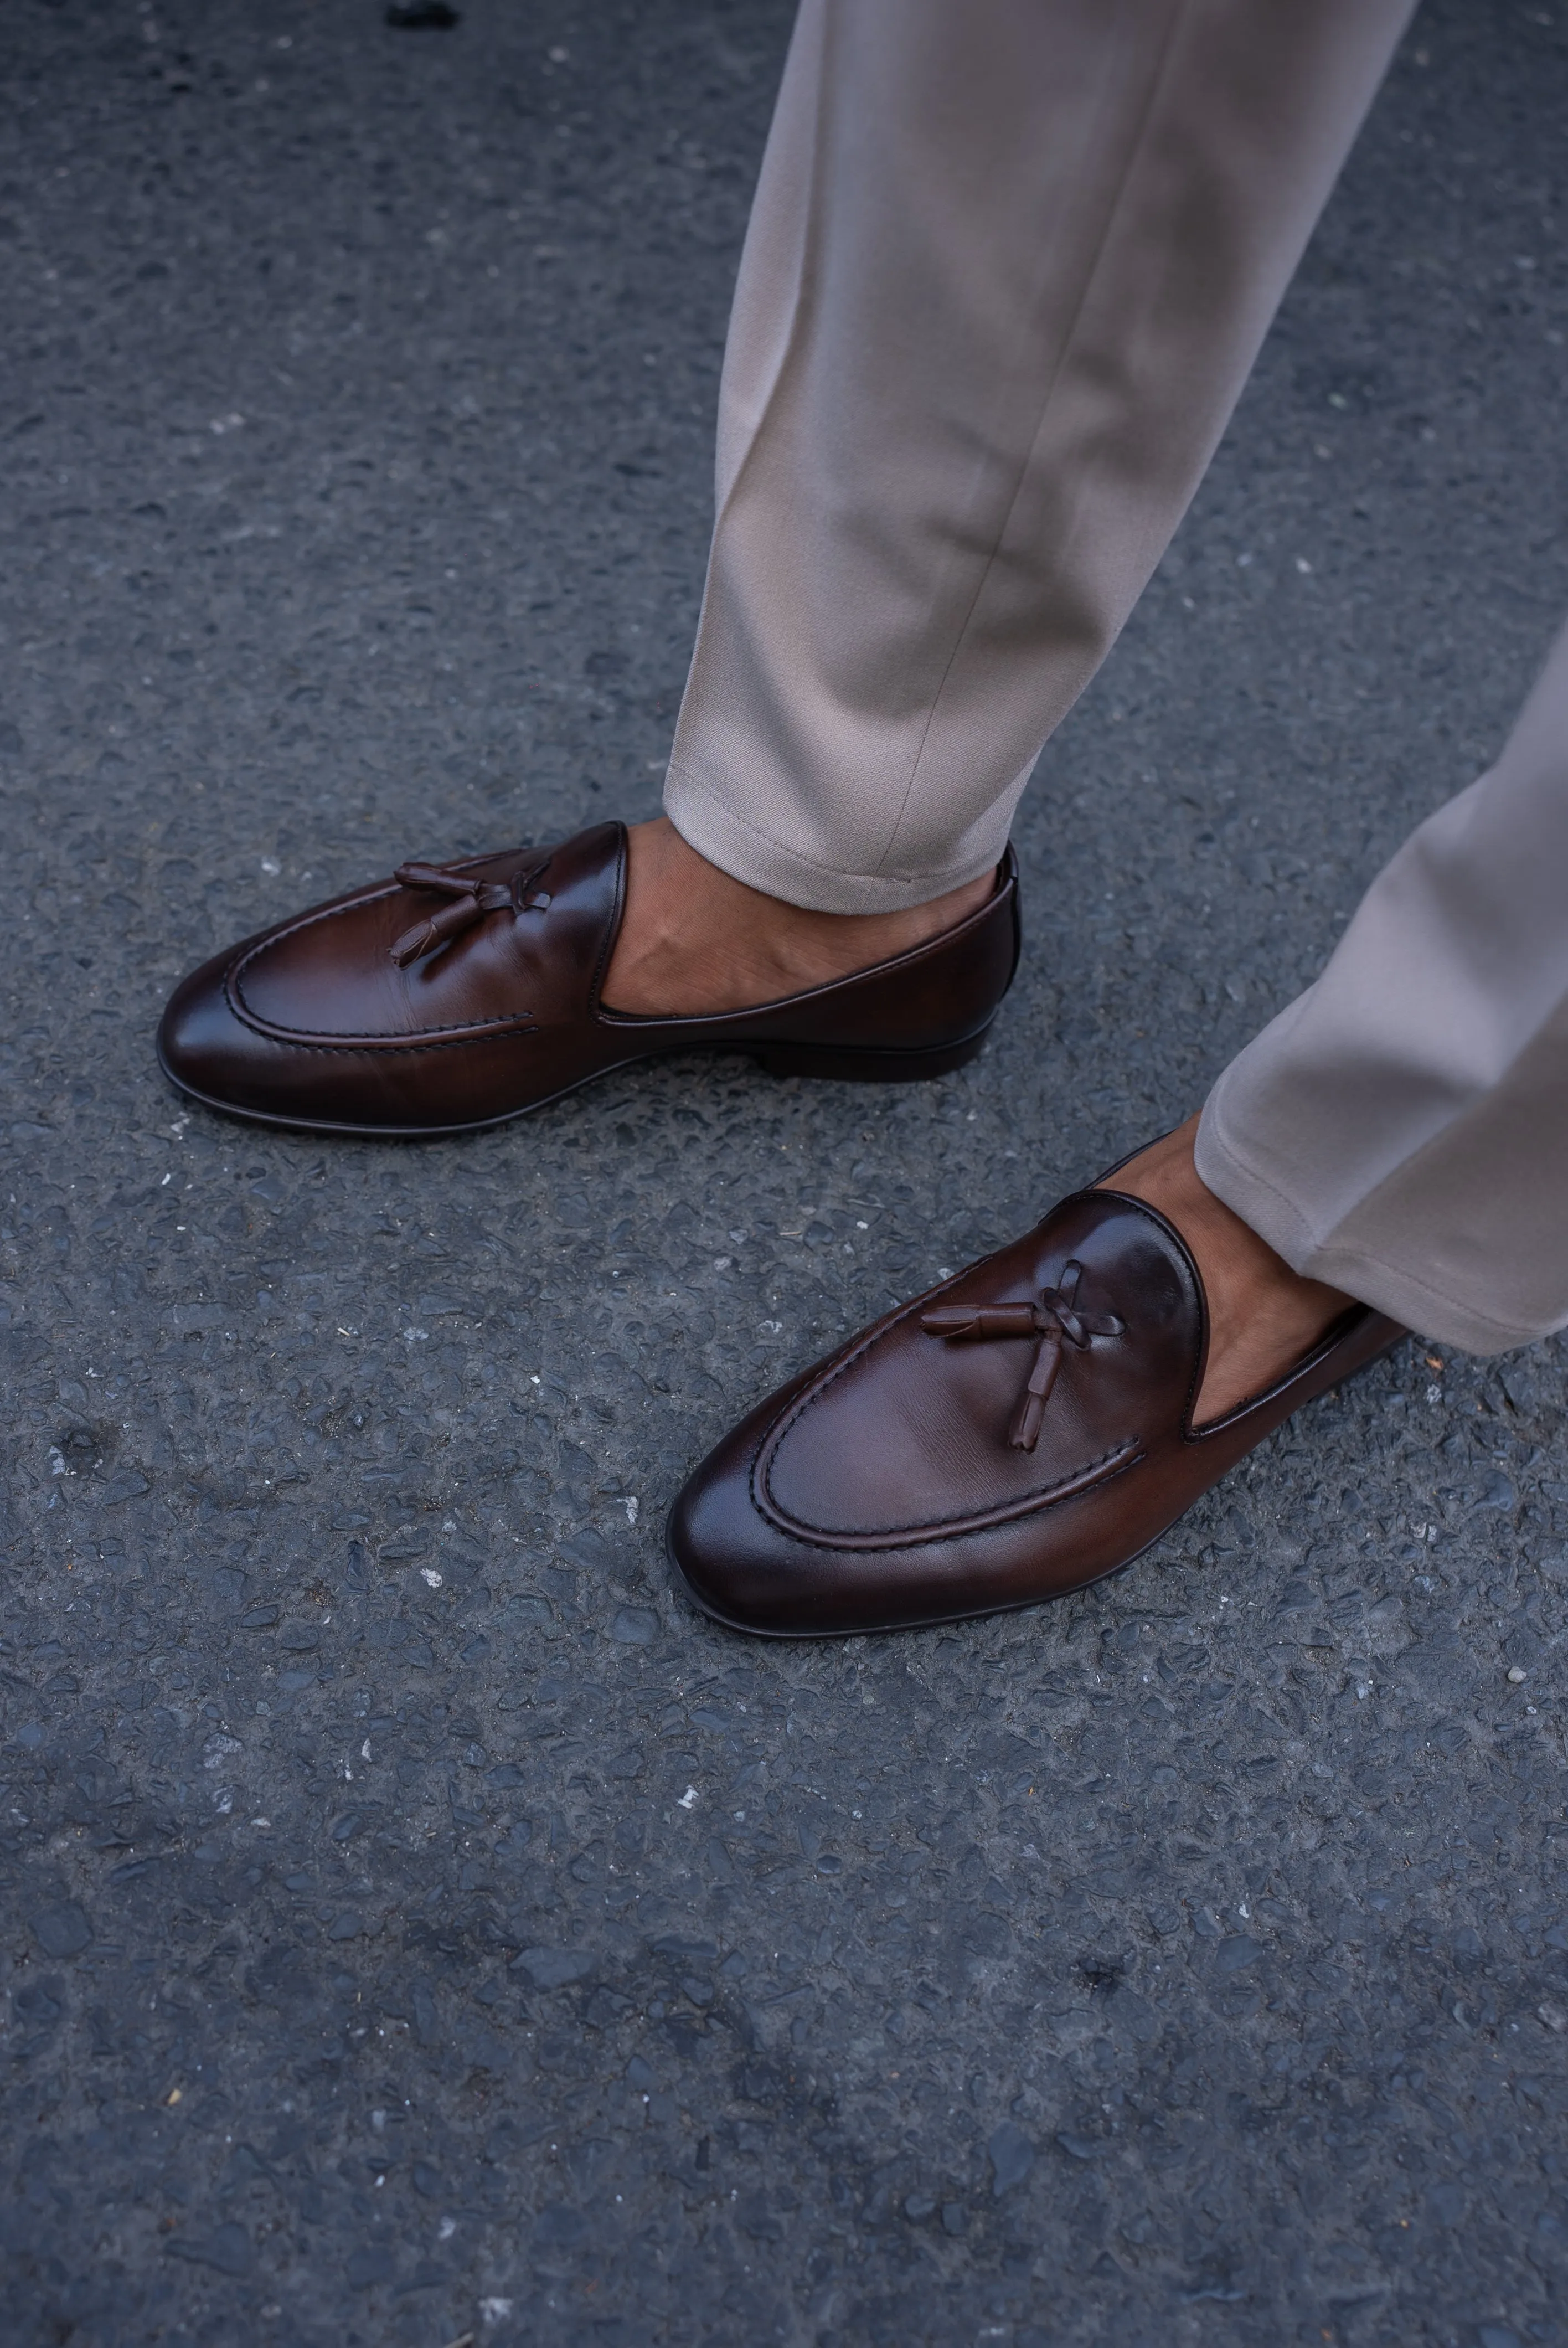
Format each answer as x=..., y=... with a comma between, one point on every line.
x=456, y=995
x=1013, y=1434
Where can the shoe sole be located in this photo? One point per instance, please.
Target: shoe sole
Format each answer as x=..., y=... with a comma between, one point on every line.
x=814, y=1060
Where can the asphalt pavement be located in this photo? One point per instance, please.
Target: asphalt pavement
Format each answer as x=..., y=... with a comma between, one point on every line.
x=415, y=1921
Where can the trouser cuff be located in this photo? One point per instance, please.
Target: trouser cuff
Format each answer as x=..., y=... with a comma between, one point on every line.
x=712, y=825
x=1230, y=1171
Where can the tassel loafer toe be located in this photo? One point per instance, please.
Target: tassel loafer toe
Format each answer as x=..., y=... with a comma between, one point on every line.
x=1010, y=1436
x=456, y=995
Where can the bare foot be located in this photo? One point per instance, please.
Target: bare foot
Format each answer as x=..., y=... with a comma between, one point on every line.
x=1262, y=1316
x=694, y=940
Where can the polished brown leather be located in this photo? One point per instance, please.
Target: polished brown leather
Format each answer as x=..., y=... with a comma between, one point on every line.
x=456, y=995
x=1013, y=1434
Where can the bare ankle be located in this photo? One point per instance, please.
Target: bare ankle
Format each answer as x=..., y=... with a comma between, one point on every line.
x=1263, y=1316
x=695, y=941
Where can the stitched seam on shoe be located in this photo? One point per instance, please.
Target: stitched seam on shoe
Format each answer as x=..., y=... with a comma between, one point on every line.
x=233, y=975
x=772, y=1511
x=434, y=1039
x=1118, y=1459
x=398, y=1051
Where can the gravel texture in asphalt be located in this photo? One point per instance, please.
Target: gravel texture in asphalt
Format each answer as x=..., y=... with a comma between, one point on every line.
x=415, y=1921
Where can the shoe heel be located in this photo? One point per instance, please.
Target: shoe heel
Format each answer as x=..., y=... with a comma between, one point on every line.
x=868, y=1067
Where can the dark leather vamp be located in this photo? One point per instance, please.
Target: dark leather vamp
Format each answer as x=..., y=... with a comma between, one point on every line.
x=330, y=976
x=455, y=994
x=910, y=1436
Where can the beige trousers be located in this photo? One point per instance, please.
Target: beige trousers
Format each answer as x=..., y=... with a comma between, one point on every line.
x=1401, y=1129
x=1009, y=265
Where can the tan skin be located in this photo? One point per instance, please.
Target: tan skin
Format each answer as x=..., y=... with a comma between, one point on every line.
x=693, y=939
x=1262, y=1316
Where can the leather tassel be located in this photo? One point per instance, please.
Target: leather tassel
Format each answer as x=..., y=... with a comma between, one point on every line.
x=1036, y=1394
